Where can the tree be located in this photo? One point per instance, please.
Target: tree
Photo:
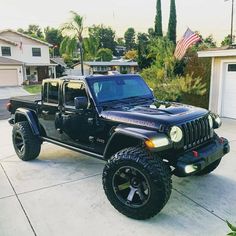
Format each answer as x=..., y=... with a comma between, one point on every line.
x=91, y=46
x=120, y=42
x=209, y=42
x=142, y=46
x=204, y=43
x=74, y=38
x=172, y=23
x=54, y=37
x=151, y=33
x=131, y=55
x=33, y=30
x=227, y=40
x=158, y=20
x=161, y=52
x=104, y=54
x=130, y=39
x=21, y=30
x=68, y=60
x=105, y=36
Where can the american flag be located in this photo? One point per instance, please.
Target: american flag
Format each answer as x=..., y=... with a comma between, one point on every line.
x=189, y=39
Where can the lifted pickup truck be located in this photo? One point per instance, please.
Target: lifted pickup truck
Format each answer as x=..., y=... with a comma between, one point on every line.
x=117, y=119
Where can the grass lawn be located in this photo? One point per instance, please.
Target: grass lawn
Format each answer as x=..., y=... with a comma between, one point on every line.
x=33, y=89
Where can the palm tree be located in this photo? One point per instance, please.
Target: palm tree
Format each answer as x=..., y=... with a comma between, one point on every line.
x=91, y=46
x=73, y=39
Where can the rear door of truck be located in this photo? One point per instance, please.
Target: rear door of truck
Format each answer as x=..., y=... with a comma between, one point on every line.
x=49, y=108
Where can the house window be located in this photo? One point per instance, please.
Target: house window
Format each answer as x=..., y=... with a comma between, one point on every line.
x=27, y=71
x=124, y=69
x=36, y=52
x=232, y=67
x=6, y=51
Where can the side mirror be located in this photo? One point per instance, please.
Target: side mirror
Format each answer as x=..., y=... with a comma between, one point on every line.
x=81, y=102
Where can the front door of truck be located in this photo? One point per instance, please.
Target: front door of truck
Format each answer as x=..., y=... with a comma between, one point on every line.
x=77, y=125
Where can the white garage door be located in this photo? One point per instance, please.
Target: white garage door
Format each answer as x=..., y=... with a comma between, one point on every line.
x=8, y=77
x=229, y=92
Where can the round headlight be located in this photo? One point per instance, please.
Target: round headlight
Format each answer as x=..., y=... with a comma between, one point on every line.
x=210, y=120
x=176, y=134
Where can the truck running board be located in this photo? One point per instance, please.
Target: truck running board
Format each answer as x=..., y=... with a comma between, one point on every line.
x=73, y=148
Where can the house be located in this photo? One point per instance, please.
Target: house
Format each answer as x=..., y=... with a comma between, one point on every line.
x=23, y=58
x=60, y=65
x=223, y=80
x=102, y=67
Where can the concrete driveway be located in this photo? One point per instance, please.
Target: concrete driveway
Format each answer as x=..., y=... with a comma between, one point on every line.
x=61, y=193
x=7, y=92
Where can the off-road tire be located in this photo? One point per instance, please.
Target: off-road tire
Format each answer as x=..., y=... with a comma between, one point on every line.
x=209, y=168
x=31, y=143
x=155, y=171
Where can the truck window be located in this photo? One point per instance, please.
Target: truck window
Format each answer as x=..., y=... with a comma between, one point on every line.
x=72, y=90
x=50, y=93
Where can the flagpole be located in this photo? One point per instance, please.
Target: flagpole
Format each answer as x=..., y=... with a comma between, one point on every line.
x=232, y=23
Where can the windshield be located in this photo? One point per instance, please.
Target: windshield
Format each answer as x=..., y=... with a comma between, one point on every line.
x=112, y=88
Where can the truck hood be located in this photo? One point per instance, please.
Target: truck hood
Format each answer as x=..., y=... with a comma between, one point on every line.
x=152, y=116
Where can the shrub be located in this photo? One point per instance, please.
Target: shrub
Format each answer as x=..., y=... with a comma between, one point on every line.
x=178, y=88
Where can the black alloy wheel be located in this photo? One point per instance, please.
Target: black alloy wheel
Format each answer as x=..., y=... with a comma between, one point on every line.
x=131, y=186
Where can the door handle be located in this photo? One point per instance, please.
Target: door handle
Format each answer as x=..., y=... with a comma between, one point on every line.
x=45, y=112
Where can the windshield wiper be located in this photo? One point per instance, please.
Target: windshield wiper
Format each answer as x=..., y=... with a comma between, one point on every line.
x=113, y=103
x=135, y=100
x=138, y=99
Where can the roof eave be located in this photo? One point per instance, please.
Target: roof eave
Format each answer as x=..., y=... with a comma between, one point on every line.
x=217, y=53
x=8, y=41
x=27, y=36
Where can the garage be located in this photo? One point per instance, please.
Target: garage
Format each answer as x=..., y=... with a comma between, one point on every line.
x=223, y=81
x=11, y=72
x=8, y=77
x=229, y=92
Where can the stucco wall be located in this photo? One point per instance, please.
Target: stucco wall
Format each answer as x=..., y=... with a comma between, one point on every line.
x=25, y=54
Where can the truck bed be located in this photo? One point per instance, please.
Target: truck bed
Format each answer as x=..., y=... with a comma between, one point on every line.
x=28, y=101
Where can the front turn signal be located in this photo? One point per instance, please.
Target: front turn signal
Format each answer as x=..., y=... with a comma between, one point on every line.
x=149, y=144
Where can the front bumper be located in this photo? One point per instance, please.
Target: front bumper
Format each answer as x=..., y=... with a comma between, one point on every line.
x=11, y=121
x=196, y=160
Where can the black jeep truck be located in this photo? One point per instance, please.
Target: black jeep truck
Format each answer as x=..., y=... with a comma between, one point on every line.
x=116, y=118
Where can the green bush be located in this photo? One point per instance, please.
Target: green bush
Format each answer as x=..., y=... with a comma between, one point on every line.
x=179, y=88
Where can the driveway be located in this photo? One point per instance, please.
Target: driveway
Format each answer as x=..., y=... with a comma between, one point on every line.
x=7, y=92
x=61, y=193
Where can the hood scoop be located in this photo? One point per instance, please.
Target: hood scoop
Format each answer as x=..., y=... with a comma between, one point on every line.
x=150, y=111
x=161, y=110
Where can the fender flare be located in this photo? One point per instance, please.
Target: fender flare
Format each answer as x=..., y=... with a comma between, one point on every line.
x=31, y=118
x=136, y=133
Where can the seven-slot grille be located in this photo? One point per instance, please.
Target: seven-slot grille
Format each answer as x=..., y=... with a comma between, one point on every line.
x=196, y=132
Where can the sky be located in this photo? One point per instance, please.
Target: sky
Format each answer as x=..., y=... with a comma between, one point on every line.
x=206, y=16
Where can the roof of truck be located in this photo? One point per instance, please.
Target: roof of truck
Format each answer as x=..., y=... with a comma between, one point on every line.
x=75, y=77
